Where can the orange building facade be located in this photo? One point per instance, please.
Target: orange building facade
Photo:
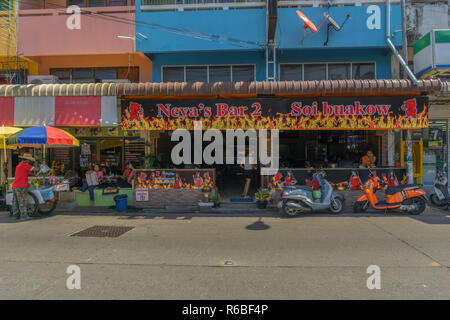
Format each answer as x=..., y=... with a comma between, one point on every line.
x=96, y=45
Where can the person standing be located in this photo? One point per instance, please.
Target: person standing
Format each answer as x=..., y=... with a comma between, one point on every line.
x=20, y=186
x=249, y=172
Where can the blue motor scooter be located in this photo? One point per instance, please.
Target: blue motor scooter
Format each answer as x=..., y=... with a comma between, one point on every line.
x=296, y=200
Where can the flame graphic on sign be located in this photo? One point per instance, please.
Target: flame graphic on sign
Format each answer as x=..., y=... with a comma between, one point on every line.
x=281, y=122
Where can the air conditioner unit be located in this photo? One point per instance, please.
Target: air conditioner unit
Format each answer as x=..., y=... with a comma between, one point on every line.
x=116, y=81
x=44, y=79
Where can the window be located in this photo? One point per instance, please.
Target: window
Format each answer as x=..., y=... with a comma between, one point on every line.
x=99, y=3
x=64, y=75
x=314, y=72
x=83, y=75
x=291, y=72
x=363, y=70
x=209, y=73
x=173, y=74
x=196, y=74
x=338, y=71
x=79, y=3
x=13, y=76
x=114, y=3
x=243, y=73
x=91, y=75
x=96, y=3
x=327, y=71
x=217, y=74
x=105, y=74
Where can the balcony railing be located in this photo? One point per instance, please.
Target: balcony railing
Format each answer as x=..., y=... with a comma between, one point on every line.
x=181, y=5
x=58, y=4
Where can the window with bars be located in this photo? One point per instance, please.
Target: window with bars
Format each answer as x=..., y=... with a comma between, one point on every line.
x=13, y=76
x=100, y=3
x=327, y=71
x=91, y=75
x=209, y=73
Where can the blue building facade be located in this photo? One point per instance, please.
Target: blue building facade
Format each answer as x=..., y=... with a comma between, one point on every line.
x=208, y=42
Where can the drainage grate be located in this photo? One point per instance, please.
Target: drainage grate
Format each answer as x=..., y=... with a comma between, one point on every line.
x=102, y=231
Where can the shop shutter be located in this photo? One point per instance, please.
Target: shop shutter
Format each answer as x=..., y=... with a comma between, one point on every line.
x=109, y=111
x=34, y=111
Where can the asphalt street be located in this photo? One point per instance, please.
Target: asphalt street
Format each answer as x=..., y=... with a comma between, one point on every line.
x=227, y=256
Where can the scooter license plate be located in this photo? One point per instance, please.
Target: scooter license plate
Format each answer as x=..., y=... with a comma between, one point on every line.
x=280, y=204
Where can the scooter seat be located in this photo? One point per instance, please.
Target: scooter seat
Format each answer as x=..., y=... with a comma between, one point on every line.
x=291, y=188
x=394, y=190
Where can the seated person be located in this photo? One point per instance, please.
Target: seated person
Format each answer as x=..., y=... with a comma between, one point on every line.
x=99, y=173
x=369, y=159
x=107, y=174
x=127, y=177
x=91, y=182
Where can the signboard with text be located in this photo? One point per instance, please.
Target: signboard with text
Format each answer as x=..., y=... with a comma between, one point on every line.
x=365, y=113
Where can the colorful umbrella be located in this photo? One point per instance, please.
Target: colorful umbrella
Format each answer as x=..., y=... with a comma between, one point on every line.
x=4, y=133
x=42, y=136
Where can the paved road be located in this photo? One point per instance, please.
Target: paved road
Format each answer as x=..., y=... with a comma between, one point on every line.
x=182, y=256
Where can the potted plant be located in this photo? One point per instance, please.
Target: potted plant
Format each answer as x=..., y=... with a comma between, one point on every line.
x=149, y=160
x=206, y=190
x=262, y=198
x=216, y=200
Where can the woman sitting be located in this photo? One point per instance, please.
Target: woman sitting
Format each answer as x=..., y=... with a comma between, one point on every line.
x=93, y=177
x=127, y=177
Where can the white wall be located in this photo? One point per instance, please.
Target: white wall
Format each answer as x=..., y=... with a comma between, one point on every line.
x=422, y=17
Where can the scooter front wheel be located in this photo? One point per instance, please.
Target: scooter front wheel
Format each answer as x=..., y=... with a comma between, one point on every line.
x=289, y=212
x=420, y=206
x=360, y=206
x=336, y=205
x=436, y=201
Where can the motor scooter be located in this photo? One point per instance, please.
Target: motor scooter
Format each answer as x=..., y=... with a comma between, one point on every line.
x=408, y=197
x=441, y=195
x=299, y=199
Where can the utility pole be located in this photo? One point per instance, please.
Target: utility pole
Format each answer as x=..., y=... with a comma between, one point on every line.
x=409, y=154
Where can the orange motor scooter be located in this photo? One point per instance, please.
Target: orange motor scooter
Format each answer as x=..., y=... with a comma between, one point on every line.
x=408, y=197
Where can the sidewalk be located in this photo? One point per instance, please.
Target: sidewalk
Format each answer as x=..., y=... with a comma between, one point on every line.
x=225, y=208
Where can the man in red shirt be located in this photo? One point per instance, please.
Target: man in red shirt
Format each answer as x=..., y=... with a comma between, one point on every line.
x=20, y=186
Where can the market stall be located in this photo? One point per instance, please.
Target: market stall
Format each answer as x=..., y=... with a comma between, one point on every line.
x=47, y=183
x=163, y=187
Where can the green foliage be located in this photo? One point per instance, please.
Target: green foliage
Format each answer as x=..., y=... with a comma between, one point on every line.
x=262, y=195
x=149, y=161
x=160, y=157
x=3, y=188
x=217, y=198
